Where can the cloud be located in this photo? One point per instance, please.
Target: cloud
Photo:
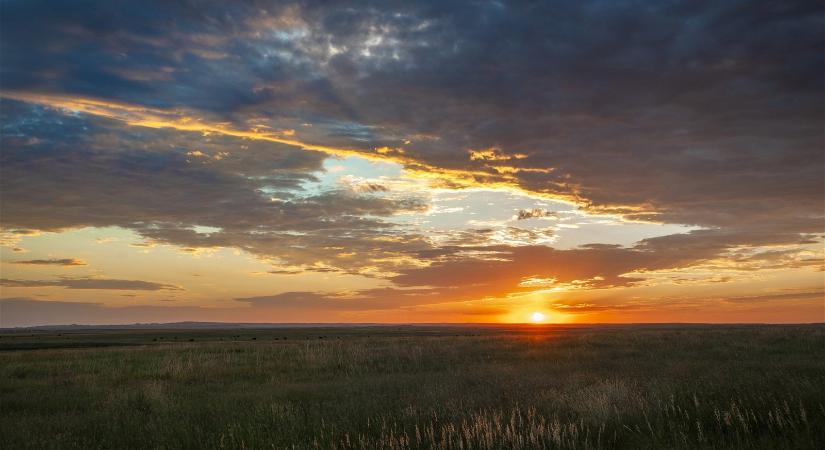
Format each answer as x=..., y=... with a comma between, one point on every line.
x=90, y=283
x=370, y=187
x=71, y=172
x=471, y=272
x=525, y=214
x=364, y=300
x=459, y=274
x=716, y=125
x=818, y=294
x=53, y=262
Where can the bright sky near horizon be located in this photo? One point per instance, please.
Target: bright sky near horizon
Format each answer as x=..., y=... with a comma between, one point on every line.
x=412, y=162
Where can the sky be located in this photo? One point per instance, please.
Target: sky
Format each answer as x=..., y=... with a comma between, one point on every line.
x=412, y=162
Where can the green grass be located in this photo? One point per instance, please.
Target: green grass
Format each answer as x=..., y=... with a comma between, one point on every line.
x=416, y=387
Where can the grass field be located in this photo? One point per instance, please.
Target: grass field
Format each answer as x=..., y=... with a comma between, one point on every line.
x=415, y=387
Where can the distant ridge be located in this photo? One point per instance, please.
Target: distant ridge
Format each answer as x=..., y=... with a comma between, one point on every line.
x=191, y=326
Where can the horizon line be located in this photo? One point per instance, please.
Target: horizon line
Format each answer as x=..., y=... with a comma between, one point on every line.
x=182, y=325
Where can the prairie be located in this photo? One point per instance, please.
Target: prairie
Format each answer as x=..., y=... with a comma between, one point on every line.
x=415, y=387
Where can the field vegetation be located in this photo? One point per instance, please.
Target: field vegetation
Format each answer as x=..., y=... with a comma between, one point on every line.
x=516, y=387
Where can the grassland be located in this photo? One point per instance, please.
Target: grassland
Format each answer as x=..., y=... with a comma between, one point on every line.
x=514, y=387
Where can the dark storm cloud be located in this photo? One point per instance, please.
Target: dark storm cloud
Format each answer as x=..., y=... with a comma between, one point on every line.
x=90, y=283
x=52, y=262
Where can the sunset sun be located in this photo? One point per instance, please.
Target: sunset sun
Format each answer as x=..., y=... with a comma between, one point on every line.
x=537, y=317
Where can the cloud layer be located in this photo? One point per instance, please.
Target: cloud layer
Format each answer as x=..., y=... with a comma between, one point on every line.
x=208, y=125
x=67, y=262
x=702, y=113
x=90, y=283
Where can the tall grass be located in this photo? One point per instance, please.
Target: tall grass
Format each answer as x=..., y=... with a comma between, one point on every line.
x=712, y=387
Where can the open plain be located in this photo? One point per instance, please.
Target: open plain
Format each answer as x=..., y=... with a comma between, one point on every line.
x=441, y=387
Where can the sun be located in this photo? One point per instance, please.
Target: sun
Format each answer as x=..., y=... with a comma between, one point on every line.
x=537, y=317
